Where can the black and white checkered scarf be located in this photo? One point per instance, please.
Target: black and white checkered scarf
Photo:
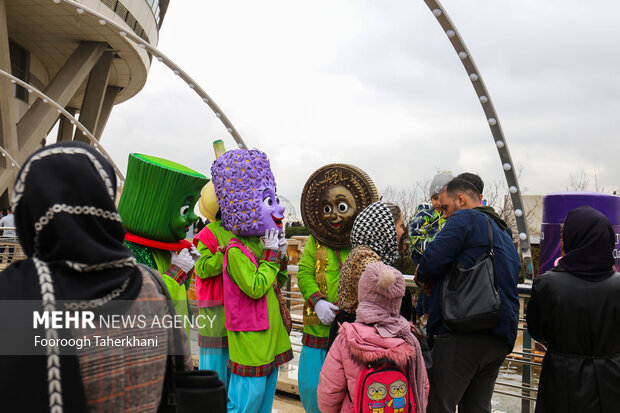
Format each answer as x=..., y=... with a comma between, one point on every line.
x=375, y=227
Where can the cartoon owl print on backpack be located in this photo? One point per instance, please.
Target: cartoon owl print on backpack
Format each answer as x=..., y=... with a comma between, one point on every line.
x=398, y=391
x=377, y=392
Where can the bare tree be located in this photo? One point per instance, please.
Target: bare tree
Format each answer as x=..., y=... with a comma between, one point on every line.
x=507, y=214
x=578, y=182
x=583, y=181
x=290, y=213
x=497, y=196
x=407, y=199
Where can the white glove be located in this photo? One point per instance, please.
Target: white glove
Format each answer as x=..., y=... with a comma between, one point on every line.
x=271, y=239
x=182, y=259
x=194, y=253
x=326, y=311
x=283, y=245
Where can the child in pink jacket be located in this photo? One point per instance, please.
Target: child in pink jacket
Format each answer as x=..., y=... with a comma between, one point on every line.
x=379, y=332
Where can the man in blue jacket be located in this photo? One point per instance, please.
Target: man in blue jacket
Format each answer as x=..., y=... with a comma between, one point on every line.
x=465, y=366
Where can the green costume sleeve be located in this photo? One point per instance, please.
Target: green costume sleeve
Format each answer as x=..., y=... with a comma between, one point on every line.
x=162, y=260
x=253, y=282
x=306, y=276
x=178, y=293
x=208, y=265
x=282, y=276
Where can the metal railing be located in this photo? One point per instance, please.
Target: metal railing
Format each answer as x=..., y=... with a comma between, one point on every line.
x=525, y=359
x=10, y=249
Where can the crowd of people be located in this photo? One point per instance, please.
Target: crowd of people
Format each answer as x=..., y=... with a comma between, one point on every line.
x=362, y=349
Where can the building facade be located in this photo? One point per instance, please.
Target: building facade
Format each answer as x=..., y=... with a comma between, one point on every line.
x=77, y=60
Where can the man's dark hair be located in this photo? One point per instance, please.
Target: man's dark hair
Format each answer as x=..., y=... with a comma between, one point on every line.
x=463, y=186
x=473, y=179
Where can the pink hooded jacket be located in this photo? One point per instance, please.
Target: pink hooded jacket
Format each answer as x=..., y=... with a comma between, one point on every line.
x=356, y=345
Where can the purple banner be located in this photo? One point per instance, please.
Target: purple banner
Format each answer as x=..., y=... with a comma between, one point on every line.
x=550, y=246
x=556, y=207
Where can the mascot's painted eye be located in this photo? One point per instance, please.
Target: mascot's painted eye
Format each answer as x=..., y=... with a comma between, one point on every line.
x=343, y=207
x=277, y=200
x=184, y=210
x=268, y=201
x=327, y=209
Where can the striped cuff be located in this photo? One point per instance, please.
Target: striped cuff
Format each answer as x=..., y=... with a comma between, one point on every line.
x=212, y=342
x=271, y=255
x=175, y=272
x=315, y=342
x=314, y=298
x=283, y=262
x=260, y=371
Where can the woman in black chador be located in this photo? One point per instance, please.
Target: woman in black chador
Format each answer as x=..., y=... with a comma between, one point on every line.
x=574, y=311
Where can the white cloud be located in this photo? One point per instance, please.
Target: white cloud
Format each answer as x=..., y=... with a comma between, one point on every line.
x=379, y=86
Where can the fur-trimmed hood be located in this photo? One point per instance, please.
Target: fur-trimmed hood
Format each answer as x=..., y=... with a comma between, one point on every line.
x=366, y=345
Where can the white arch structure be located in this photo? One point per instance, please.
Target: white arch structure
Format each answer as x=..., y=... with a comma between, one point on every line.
x=455, y=39
x=496, y=130
x=46, y=99
x=166, y=61
x=81, y=9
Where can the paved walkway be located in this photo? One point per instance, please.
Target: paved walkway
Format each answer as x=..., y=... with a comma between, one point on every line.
x=286, y=403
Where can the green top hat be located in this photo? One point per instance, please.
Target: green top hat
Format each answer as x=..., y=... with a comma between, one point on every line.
x=159, y=197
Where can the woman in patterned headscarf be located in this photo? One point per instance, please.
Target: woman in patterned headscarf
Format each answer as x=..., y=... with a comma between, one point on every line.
x=72, y=235
x=375, y=237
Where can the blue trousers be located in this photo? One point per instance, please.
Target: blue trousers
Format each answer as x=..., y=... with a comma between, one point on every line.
x=215, y=359
x=252, y=394
x=310, y=363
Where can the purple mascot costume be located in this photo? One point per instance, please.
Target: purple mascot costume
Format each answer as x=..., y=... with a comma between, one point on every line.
x=254, y=269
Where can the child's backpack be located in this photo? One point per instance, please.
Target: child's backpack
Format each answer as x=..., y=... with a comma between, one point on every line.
x=382, y=387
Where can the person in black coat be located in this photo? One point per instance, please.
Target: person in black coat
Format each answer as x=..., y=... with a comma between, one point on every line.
x=574, y=310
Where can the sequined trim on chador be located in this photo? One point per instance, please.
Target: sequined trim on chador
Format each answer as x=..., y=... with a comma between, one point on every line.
x=54, y=379
x=73, y=210
x=123, y=262
x=19, y=183
x=98, y=302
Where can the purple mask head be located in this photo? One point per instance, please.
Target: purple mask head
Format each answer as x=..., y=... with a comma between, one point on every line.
x=246, y=192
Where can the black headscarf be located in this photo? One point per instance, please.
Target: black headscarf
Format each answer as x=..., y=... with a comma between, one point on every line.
x=71, y=232
x=65, y=216
x=375, y=228
x=588, y=243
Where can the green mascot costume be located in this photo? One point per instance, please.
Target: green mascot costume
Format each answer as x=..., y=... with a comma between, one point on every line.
x=157, y=209
x=331, y=199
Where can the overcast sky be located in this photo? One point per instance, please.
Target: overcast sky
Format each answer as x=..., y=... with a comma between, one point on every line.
x=378, y=85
